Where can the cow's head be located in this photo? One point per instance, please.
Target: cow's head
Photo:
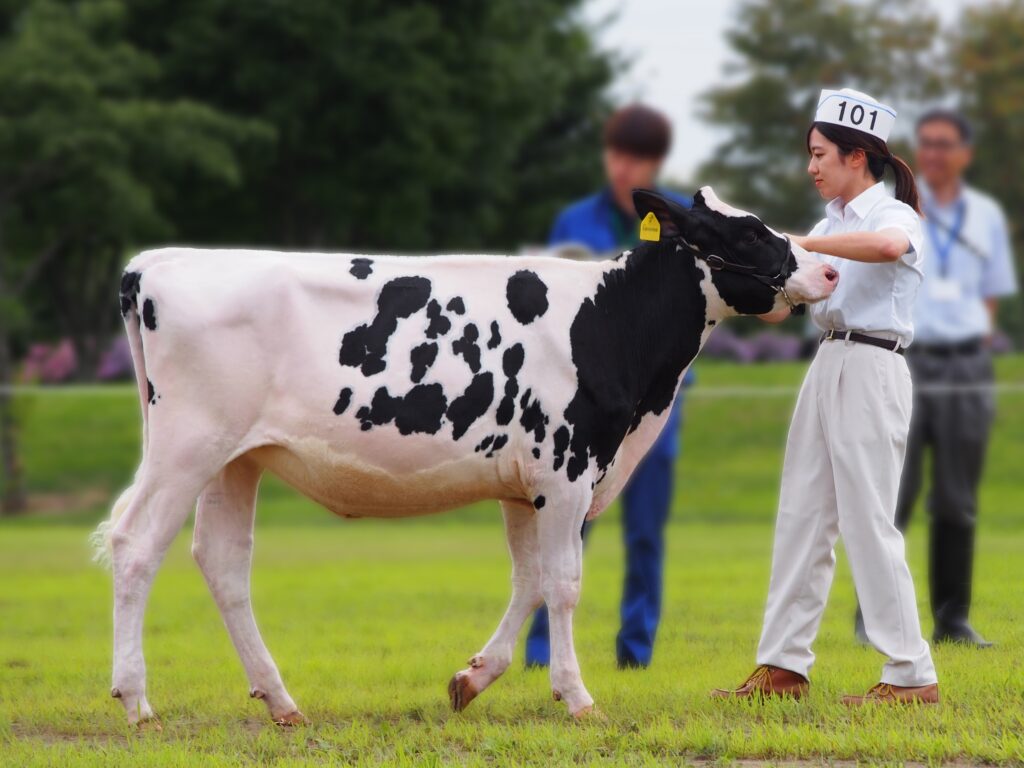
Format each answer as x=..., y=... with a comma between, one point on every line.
x=755, y=270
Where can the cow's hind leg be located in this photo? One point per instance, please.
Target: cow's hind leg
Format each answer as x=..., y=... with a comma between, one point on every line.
x=222, y=546
x=559, y=533
x=161, y=501
x=493, y=660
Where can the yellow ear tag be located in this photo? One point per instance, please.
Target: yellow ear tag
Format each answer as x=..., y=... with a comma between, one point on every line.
x=650, y=227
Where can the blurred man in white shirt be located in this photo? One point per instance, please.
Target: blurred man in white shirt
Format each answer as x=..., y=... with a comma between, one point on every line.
x=968, y=269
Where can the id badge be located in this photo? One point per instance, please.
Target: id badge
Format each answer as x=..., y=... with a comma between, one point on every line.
x=944, y=289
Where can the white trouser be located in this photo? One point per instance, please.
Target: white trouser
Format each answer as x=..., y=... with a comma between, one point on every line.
x=841, y=475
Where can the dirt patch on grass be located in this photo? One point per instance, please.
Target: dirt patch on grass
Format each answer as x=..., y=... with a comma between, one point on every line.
x=55, y=504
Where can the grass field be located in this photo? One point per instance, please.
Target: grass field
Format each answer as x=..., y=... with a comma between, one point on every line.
x=368, y=620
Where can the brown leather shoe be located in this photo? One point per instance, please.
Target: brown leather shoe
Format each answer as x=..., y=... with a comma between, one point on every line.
x=767, y=681
x=885, y=693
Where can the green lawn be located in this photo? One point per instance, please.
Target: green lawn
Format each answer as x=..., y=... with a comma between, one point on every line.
x=369, y=619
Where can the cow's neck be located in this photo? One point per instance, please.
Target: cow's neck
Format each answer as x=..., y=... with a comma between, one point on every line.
x=669, y=330
x=631, y=343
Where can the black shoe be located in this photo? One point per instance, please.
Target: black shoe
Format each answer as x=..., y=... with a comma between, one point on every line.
x=965, y=635
x=951, y=569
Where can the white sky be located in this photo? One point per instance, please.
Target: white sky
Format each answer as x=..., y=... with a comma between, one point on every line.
x=678, y=50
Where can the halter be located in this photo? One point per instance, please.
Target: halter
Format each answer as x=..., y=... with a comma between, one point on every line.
x=776, y=282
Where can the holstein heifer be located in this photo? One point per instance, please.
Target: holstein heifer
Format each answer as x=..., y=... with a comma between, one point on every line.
x=392, y=387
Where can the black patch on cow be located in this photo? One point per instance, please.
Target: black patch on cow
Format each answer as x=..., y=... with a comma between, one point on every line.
x=484, y=443
x=471, y=404
x=538, y=503
x=344, y=398
x=527, y=296
x=149, y=314
x=468, y=348
x=151, y=392
x=561, y=445
x=456, y=305
x=497, y=445
x=495, y=340
x=129, y=294
x=711, y=323
x=630, y=343
x=366, y=345
x=439, y=324
x=533, y=418
x=422, y=357
x=536, y=452
x=511, y=362
x=361, y=268
x=421, y=410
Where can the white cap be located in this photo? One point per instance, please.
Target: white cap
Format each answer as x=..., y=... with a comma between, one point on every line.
x=853, y=109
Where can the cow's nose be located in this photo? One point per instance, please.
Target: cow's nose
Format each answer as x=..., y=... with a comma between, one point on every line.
x=832, y=275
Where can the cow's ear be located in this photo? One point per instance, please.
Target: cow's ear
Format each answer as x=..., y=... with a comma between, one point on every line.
x=672, y=217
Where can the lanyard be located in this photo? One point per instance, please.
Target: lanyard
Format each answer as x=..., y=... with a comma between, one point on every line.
x=943, y=250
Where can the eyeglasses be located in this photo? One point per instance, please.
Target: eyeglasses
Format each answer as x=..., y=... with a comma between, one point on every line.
x=930, y=145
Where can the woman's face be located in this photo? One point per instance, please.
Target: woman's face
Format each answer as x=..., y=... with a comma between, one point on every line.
x=832, y=173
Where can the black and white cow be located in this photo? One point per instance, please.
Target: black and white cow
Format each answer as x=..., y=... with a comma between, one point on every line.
x=392, y=387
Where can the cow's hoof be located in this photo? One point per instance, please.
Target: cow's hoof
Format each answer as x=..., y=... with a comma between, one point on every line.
x=461, y=691
x=291, y=719
x=148, y=725
x=589, y=714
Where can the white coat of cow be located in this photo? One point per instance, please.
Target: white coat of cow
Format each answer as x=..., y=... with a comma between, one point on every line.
x=392, y=387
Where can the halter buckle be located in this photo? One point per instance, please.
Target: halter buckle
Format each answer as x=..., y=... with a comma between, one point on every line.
x=714, y=261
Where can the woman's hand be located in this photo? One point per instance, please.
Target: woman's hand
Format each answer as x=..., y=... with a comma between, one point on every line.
x=776, y=316
x=800, y=240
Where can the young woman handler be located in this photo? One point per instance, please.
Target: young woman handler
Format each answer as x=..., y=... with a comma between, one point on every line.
x=848, y=437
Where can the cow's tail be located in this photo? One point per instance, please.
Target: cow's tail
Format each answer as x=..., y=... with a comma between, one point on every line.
x=100, y=538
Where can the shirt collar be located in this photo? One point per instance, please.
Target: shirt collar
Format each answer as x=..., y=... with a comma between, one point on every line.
x=928, y=197
x=860, y=206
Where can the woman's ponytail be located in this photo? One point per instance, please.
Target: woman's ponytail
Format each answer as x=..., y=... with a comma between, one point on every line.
x=878, y=156
x=906, y=184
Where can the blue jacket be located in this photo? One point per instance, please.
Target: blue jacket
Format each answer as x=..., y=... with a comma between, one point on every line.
x=597, y=223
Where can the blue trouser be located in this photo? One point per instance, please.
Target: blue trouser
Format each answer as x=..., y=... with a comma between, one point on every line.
x=645, y=506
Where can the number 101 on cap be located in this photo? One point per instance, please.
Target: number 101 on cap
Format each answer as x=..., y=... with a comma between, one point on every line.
x=853, y=109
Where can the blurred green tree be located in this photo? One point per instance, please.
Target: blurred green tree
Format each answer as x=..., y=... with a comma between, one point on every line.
x=409, y=125
x=987, y=68
x=86, y=151
x=785, y=52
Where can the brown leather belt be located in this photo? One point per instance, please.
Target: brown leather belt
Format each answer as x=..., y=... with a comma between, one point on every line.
x=861, y=338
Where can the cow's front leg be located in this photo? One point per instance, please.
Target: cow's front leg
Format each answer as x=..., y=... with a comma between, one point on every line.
x=559, y=532
x=222, y=546
x=488, y=665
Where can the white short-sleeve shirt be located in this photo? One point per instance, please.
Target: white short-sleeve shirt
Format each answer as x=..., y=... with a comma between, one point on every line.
x=978, y=259
x=872, y=298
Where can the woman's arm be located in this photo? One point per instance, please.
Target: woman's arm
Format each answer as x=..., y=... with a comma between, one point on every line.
x=869, y=247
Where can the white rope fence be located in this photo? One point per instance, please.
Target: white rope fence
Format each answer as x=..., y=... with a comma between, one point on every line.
x=699, y=392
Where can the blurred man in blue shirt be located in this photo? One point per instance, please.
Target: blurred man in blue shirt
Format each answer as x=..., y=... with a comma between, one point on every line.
x=636, y=141
x=968, y=268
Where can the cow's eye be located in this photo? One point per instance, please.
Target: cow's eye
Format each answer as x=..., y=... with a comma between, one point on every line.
x=750, y=237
